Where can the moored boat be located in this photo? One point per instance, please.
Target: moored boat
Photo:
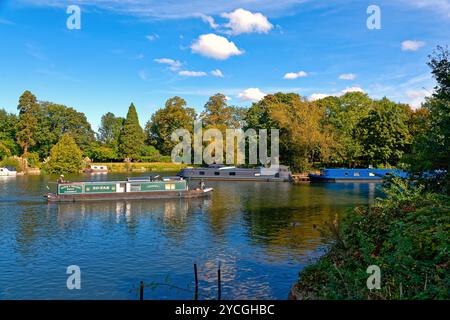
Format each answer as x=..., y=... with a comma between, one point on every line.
x=96, y=169
x=355, y=175
x=7, y=172
x=221, y=172
x=132, y=189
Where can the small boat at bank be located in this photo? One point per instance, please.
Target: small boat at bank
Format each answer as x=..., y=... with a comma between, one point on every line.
x=96, y=169
x=355, y=175
x=132, y=189
x=7, y=172
x=221, y=172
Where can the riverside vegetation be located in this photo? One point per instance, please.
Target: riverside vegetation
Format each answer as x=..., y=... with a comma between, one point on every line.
x=407, y=233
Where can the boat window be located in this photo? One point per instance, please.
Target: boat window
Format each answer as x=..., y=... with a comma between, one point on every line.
x=346, y=173
x=232, y=173
x=202, y=173
x=388, y=174
x=170, y=186
x=217, y=173
x=371, y=174
x=356, y=174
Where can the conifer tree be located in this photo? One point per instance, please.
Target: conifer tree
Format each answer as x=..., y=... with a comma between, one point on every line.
x=131, y=139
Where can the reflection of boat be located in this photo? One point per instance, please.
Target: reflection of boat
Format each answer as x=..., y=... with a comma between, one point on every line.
x=7, y=172
x=132, y=189
x=355, y=175
x=220, y=172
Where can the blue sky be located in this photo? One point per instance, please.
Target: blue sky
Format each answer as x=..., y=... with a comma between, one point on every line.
x=148, y=51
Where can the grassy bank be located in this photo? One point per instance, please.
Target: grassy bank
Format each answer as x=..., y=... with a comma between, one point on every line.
x=117, y=167
x=407, y=235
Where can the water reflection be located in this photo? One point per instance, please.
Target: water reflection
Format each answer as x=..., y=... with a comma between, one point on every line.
x=262, y=234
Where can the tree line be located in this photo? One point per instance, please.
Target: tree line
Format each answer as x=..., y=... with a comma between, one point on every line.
x=351, y=130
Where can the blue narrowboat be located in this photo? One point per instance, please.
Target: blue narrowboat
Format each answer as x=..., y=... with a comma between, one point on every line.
x=355, y=175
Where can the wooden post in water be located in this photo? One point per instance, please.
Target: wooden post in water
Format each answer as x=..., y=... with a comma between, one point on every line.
x=218, y=283
x=141, y=291
x=196, y=282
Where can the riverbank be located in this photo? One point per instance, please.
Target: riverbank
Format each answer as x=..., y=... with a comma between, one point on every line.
x=122, y=167
x=406, y=235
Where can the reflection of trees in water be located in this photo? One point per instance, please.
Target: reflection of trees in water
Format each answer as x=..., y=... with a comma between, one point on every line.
x=291, y=226
x=30, y=226
x=229, y=198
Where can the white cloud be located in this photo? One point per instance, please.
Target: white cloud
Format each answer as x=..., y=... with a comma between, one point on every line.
x=295, y=75
x=416, y=97
x=214, y=46
x=352, y=89
x=412, y=45
x=244, y=21
x=251, y=94
x=152, y=37
x=173, y=64
x=347, y=76
x=217, y=73
x=143, y=75
x=209, y=20
x=187, y=73
x=318, y=96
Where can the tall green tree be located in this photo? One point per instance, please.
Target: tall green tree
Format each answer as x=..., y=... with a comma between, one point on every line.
x=175, y=115
x=131, y=140
x=343, y=114
x=65, y=156
x=431, y=150
x=384, y=133
x=109, y=130
x=8, y=129
x=303, y=138
x=28, y=109
x=219, y=115
x=55, y=120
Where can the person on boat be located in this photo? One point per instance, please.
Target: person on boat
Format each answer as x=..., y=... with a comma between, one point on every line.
x=61, y=179
x=202, y=184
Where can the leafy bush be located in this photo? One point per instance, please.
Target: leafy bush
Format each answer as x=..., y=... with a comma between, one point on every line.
x=406, y=234
x=65, y=156
x=4, y=151
x=102, y=153
x=33, y=160
x=151, y=154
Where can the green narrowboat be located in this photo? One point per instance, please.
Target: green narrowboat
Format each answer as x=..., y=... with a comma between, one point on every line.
x=131, y=189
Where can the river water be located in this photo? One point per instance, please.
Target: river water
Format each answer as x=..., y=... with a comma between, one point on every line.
x=261, y=234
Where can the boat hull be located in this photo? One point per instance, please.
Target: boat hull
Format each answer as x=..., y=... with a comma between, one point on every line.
x=256, y=179
x=178, y=194
x=327, y=179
